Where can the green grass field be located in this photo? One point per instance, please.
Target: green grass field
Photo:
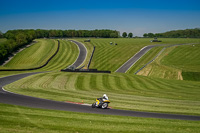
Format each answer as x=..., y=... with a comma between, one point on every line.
x=126, y=91
x=111, y=57
x=23, y=120
x=66, y=56
x=144, y=60
x=34, y=56
x=186, y=58
x=178, y=62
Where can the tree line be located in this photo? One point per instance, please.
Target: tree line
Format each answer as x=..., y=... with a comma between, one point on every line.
x=124, y=34
x=18, y=38
x=187, y=33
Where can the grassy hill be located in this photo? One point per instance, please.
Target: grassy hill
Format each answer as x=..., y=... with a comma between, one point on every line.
x=133, y=90
x=126, y=91
x=66, y=55
x=34, y=56
x=178, y=62
x=111, y=57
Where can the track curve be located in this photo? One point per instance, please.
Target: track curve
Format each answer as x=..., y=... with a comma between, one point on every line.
x=82, y=54
x=135, y=58
x=128, y=64
x=28, y=101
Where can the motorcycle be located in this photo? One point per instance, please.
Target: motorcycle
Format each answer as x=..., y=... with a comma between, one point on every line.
x=101, y=104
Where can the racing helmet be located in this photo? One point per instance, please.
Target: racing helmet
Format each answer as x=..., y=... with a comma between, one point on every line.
x=105, y=96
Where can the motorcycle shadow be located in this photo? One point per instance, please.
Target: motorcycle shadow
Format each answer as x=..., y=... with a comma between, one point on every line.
x=102, y=108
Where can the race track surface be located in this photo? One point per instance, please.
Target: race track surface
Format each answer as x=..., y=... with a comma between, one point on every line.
x=135, y=58
x=28, y=101
x=125, y=67
x=22, y=100
x=82, y=54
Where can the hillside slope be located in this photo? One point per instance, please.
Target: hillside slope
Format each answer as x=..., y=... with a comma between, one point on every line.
x=178, y=62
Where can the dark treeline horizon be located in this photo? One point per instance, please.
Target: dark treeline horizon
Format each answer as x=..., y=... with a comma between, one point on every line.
x=19, y=38
x=187, y=33
x=41, y=33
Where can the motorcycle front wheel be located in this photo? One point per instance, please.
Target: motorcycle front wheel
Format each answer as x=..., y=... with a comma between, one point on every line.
x=104, y=106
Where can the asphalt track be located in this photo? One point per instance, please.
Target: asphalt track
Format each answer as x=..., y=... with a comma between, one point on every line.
x=135, y=58
x=28, y=101
x=82, y=54
x=127, y=65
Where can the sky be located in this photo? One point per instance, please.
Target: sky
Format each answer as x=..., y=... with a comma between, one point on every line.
x=136, y=16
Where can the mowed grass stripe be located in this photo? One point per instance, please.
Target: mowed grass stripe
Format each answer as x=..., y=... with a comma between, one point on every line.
x=113, y=58
x=60, y=58
x=105, y=59
x=80, y=88
x=115, y=64
x=108, y=56
x=106, y=82
x=183, y=57
x=34, y=56
x=20, y=119
x=66, y=56
x=93, y=82
x=173, y=61
x=144, y=60
x=71, y=82
x=59, y=82
x=80, y=82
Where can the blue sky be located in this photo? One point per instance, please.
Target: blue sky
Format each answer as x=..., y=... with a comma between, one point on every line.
x=136, y=16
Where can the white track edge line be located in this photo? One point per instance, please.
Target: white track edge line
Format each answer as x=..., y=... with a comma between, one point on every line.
x=130, y=58
x=79, y=53
x=8, y=91
x=86, y=53
x=77, y=56
x=137, y=60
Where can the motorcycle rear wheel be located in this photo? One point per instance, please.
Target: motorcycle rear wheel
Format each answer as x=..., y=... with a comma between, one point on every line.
x=93, y=105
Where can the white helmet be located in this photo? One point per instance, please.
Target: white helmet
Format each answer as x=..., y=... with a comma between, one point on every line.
x=105, y=96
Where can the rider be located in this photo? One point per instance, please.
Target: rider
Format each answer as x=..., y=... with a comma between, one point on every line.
x=105, y=97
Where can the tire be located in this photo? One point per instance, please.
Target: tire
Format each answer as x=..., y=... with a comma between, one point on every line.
x=93, y=105
x=104, y=105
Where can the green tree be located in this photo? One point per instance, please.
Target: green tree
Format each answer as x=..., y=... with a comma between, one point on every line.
x=130, y=35
x=151, y=35
x=145, y=35
x=124, y=34
x=1, y=34
x=113, y=35
x=21, y=38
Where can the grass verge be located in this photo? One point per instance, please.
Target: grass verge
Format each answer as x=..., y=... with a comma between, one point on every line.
x=173, y=61
x=34, y=56
x=22, y=119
